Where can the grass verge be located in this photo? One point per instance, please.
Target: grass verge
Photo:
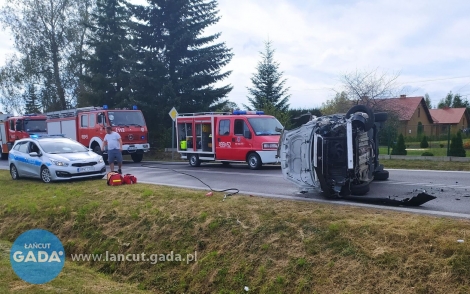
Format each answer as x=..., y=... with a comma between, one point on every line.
x=271, y=246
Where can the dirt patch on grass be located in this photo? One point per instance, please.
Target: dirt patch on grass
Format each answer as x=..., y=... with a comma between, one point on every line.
x=271, y=246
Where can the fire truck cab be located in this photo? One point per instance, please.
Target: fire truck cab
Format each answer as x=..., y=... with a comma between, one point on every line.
x=13, y=128
x=240, y=136
x=88, y=126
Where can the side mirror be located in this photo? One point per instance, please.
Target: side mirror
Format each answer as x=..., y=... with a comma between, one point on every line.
x=247, y=134
x=33, y=154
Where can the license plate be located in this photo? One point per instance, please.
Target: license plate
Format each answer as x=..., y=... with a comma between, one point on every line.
x=131, y=148
x=85, y=169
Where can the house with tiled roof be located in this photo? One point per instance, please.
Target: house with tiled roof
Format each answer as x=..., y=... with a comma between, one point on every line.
x=456, y=118
x=412, y=112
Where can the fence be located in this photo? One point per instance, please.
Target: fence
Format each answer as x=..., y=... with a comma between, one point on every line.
x=437, y=136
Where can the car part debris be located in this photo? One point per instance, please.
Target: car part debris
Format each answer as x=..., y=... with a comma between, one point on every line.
x=418, y=200
x=338, y=155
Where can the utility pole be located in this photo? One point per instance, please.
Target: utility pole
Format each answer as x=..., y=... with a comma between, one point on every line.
x=448, y=139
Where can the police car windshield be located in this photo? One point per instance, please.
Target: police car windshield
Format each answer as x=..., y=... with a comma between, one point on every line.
x=265, y=126
x=35, y=126
x=126, y=118
x=61, y=146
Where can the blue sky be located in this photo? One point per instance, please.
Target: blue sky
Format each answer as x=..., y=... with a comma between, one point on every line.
x=318, y=41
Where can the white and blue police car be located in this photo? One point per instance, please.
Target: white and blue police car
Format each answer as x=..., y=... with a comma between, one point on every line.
x=53, y=158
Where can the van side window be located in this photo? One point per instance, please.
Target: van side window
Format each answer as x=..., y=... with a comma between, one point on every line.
x=84, y=121
x=224, y=127
x=240, y=127
x=92, y=120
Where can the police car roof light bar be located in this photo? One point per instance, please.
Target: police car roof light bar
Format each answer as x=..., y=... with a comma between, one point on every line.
x=37, y=136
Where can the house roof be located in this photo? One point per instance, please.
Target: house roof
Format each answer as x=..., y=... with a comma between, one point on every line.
x=447, y=115
x=403, y=107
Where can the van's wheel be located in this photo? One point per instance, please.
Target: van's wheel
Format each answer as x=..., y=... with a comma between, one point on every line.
x=381, y=175
x=4, y=156
x=194, y=160
x=360, y=189
x=14, y=172
x=362, y=108
x=254, y=161
x=45, y=175
x=380, y=116
x=137, y=157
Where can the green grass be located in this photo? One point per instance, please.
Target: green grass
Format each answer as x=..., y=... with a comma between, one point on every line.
x=72, y=279
x=425, y=164
x=271, y=246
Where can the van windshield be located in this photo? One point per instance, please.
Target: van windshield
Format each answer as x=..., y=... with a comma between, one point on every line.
x=126, y=118
x=265, y=126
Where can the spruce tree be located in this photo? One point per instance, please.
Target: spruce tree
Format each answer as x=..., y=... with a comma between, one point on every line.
x=268, y=85
x=107, y=67
x=424, y=142
x=32, y=103
x=456, y=146
x=400, y=148
x=174, y=33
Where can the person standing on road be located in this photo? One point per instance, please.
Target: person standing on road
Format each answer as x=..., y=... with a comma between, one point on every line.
x=113, y=142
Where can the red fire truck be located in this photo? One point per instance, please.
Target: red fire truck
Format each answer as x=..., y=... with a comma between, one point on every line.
x=13, y=128
x=87, y=125
x=240, y=136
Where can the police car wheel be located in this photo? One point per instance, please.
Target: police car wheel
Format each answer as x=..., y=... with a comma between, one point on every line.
x=45, y=175
x=14, y=172
x=254, y=161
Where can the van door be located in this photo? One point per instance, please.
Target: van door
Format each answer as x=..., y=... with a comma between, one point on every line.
x=84, y=130
x=241, y=141
x=223, y=143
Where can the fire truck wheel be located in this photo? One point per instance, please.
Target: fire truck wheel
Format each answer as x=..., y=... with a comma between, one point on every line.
x=254, y=161
x=137, y=157
x=194, y=160
x=14, y=172
x=45, y=175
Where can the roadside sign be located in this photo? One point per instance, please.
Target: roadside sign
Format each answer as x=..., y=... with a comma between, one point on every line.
x=173, y=113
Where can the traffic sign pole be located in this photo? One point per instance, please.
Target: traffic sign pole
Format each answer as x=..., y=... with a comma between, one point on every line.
x=173, y=113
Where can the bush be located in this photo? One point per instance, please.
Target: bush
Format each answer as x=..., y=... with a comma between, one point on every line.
x=441, y=145
x=424, y=143
x=400, y=148
x=466, y=145
x=427, y=154
x=456, y=146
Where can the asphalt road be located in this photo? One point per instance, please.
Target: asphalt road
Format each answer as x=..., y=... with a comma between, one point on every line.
x=452, y=189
